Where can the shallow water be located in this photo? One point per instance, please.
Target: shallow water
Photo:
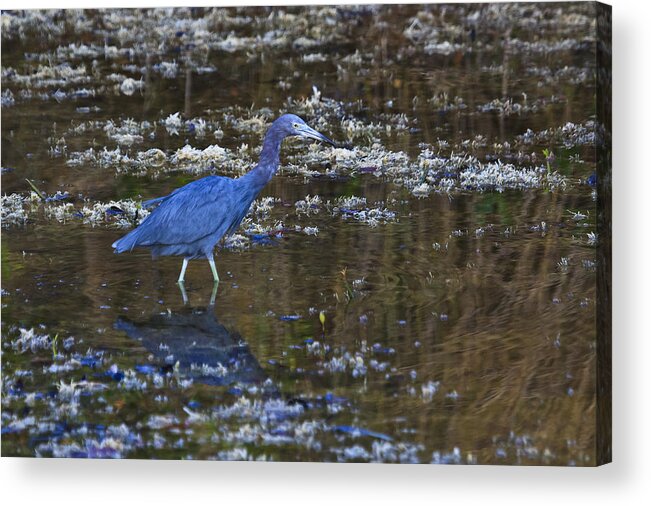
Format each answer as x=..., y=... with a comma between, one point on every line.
x=460, y=329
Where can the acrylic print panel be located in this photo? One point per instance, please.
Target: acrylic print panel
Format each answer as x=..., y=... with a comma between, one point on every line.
x=434, y=288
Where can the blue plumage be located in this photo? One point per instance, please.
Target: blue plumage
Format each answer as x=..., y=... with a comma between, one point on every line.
x=192, y=219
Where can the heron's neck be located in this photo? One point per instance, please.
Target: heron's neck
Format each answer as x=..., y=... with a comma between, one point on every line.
x=269, y=157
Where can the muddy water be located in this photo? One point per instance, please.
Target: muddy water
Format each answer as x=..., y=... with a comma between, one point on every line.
x=460, y=331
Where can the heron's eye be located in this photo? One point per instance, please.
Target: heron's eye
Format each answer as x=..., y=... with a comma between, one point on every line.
x=295, y=125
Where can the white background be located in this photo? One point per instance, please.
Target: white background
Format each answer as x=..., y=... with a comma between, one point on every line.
x=626, y=481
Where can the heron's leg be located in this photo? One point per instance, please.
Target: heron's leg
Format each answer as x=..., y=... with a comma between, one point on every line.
x=213, y=295
x=182, y=275
x=211, y=261
x=183, y=293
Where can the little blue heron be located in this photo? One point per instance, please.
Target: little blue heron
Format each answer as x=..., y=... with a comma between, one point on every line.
x=192, y=219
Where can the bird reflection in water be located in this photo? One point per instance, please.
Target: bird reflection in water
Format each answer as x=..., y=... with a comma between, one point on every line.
x=193, y=340
x=213, y=295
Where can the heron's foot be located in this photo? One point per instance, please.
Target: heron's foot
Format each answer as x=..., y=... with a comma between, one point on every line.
x=184, y=294
x=213, y=295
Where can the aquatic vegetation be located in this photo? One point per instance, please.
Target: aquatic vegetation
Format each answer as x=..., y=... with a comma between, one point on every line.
x=444, y=103
x=429, y=389
x=198, y=160
x=309, y=205
x=589, y=265
x=508, y=106
x=48, y=76
x=354, y=129
x=592, y=238
x=121, y=213
x=7, y=98
x=563, y=264
x=30, y=340
x=371, y=157
x=168, y=70
x=314, y=58
x=498, y=176
x=453, y=457
x=315, y=106
x=118, y=213
x=236, y=242
x=128, y=132
x=349, y=208
x=311, y=230
x=464, y=29
x=14, y=209
x=572, y=75
x=173, y=123
x=101, y=158
x=547, y=47
x=568, y=135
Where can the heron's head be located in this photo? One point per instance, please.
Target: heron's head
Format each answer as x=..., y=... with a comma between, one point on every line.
x=292, y=125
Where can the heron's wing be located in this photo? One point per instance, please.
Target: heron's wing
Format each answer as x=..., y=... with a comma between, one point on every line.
x=152, y=202
x=204, y=207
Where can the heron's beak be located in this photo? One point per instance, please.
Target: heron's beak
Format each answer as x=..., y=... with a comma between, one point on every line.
x=310, y=133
